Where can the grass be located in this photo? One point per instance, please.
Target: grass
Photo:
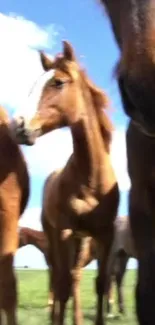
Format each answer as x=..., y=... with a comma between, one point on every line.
x=33, y=295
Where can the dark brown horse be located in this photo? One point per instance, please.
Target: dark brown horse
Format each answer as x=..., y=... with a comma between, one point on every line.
x=83, y=198
x=133, y=26
x=14, y=192
x=134, y=29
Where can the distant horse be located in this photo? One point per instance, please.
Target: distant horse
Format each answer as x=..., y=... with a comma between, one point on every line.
x=82, y=199
x=134, y=30
x=28, y=236
x=122, y=249
x=14, y=193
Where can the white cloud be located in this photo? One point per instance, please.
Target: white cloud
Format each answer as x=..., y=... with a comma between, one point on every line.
x=24, y=32
x=119, y=158
x=19, y=62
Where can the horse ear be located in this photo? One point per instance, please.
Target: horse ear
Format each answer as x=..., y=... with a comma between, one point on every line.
x=47, y=64
x=68, y=51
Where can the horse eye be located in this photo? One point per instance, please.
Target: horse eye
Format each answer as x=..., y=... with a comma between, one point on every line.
x=59, y=83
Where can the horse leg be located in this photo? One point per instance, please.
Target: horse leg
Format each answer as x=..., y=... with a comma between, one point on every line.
x=62, y=290
x=62, y=294
x=50, y=296
x=110, y=298
x=8, y=294
x=81, y=258
x=143, y=229
x=11, y=318
x=77, y=313
x=2, y=317
x=145, y=289
x=62, y=279
x=122, y=262
x=8, y=246
x=109, y=282
x=101, y=280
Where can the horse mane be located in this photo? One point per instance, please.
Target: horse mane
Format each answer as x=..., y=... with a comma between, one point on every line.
x=100, y=102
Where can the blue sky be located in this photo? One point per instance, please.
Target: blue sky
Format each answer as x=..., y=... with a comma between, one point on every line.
x=43, y=24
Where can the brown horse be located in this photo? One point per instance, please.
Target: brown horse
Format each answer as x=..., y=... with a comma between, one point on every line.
x=28, y=236
x=134, y=29
x=14, y=192
x=83, y=198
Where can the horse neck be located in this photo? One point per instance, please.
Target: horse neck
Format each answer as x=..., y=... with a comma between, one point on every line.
x=35, y=238
x=135, y=36
x=113, y=10
x=89, y=153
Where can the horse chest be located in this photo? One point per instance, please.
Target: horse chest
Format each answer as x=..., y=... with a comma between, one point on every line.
x=79, y=206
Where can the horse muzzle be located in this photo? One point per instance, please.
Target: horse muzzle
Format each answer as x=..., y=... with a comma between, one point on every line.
x=22, y=133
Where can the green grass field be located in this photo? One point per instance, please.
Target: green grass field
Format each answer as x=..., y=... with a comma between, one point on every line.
x=33, y=294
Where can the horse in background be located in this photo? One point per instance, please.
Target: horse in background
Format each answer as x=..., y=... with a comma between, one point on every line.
x=134, y=29
x=82, y=199
x=122, y=249
x=28, y=236
x=14, y=193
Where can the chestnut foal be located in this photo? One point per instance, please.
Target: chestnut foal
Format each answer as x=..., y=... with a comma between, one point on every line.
x=82, y=199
